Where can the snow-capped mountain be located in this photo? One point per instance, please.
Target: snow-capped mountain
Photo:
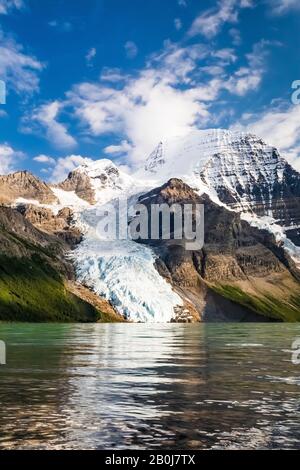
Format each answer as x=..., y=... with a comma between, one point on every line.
x=237, y=171
x=98, y=182
x=240, y=169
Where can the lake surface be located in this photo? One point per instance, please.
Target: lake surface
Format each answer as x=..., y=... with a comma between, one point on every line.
x=135, y=386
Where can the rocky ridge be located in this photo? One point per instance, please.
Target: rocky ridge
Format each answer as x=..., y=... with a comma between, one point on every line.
x=24, y=184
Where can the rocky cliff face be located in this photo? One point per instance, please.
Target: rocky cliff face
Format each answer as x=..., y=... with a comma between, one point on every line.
x=60, y=224
x=241, y=272
x=81, y=184
x=25, y=185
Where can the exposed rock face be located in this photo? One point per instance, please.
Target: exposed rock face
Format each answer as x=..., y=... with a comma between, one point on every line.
x=25, y=185
x=13, y=222
x=241, y=169
x=81, y=184
x=60, y=225
x=240, y=270
x=253, y=176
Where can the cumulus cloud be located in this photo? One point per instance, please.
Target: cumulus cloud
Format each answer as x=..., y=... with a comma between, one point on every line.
x=7, y=5
x=249, y=77
x=19, y=70
x=210, y=23
x=46, y=117
x=279, y=126
x=150, y=105
x=44, y=159
x=65, y=165
x=175, y=93
x=131, y=49
x=123, y=148
x=8, y=158
x=179, y=89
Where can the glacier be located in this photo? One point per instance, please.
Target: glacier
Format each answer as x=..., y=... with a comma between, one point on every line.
x=123, y=271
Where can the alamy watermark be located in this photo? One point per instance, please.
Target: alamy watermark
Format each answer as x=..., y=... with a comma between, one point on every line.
x=296, y=94
x=184, y=223
x=2, y=353
x=296, y=352
x=2, y=92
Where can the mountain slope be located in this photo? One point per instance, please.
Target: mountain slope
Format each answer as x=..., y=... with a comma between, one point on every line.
x=33, y=276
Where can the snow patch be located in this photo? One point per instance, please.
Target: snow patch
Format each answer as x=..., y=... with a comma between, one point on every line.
x=69, y=199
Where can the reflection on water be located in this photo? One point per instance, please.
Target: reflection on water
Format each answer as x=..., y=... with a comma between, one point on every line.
x=149, y=386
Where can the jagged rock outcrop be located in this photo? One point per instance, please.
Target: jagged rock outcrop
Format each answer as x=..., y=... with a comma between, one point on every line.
x=81, y=184
x=60, y=224
x=240, y=273
x=92, y=180
x=24, y=184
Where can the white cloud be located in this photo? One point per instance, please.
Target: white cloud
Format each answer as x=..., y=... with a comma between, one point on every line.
x=283, y=6
x=178, y=24
x=249, y=77
x=123, y=148
x=170, y=96
x=148, y=106
x=91, y=54
x=46, y=116
x=210, y=23
x=131, y=49
x=8, y=158
x=65, y=165
x=279, y=126
x=227, y=55
x=44, y=159
x=18, y=70
x=7, y=5
x=3, y=113
x=112, y=75
x=182, y=3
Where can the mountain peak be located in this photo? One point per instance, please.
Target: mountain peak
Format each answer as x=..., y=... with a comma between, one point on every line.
x=95, y=180
x=23, y=184
x=181, y=153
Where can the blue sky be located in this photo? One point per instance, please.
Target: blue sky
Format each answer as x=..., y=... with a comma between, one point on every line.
x=111, y=78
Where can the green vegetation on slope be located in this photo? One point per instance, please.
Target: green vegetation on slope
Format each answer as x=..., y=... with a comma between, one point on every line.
x=268, y=305
x=36, y=280
x=32, y=290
